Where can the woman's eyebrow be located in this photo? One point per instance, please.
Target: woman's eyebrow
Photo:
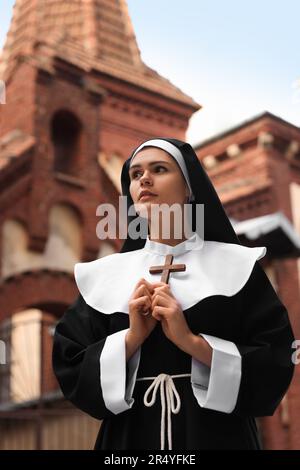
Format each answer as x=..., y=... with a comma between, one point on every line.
x=150, y=164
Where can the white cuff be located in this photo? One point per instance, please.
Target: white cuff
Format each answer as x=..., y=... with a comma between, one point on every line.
x=217, y=387
x=117, y=397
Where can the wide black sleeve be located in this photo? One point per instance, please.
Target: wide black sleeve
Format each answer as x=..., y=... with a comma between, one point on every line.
x=78, y=341
x=265, y=347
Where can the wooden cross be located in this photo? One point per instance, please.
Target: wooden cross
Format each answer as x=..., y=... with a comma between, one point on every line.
x=167, y=268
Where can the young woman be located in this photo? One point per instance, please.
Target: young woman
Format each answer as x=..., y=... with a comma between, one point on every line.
x=183, y=363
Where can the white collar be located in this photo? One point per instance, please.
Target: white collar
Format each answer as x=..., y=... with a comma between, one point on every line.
x=195, y=242
x=106, y=284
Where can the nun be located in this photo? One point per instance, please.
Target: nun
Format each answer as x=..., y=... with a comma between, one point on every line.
x=175, y=342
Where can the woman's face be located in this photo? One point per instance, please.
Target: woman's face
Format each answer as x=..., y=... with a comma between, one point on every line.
x=154, y=170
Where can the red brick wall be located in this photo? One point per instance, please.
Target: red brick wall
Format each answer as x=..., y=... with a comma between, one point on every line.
x=19, y=110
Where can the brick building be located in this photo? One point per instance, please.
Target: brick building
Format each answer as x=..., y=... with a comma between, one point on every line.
x=78, y=99
x=255, y=168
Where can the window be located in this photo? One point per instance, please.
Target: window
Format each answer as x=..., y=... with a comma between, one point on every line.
x=66, y=135
x=28, y=336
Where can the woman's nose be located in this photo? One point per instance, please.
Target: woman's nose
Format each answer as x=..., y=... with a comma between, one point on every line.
x=145, y=178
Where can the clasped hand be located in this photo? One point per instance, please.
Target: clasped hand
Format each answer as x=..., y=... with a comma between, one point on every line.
x=158, y=299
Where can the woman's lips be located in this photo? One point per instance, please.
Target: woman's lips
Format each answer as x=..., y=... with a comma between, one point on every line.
x=147, y=196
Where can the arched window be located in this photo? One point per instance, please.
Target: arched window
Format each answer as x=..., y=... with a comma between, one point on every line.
x=66, y=135
x=64, y=244
x=27, y=370
x=16, y=257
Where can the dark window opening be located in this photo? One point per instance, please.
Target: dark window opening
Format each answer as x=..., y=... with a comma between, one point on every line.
x=66, y=135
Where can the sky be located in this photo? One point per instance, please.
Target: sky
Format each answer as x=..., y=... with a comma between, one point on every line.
x=236, y=59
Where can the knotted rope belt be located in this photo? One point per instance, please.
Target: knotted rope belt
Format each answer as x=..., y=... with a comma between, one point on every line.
x=167, y=391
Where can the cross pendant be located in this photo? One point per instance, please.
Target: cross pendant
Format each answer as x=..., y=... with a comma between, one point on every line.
x=167, y=268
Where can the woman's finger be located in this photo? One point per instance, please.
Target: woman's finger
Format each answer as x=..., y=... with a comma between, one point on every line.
x=162, y=300
x=141, y=303
x=144, y=289
x=160, y=290
x=163, y=290
x=140, y=291
x=146, y=283
x=159, y=312
x=159, y=284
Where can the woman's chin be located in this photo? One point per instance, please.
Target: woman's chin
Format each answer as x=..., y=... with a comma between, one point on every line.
x=147, y=204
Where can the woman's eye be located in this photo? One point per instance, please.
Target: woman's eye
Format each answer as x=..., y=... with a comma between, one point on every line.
x=138, y=172
x=160, y=167
x=133, y=176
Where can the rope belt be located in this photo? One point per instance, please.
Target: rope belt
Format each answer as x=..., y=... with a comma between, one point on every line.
x=166, y=384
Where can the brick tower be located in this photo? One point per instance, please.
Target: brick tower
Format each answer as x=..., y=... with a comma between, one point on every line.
x=78, y=100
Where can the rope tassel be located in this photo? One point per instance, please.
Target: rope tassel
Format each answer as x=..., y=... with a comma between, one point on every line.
x=168, y=393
